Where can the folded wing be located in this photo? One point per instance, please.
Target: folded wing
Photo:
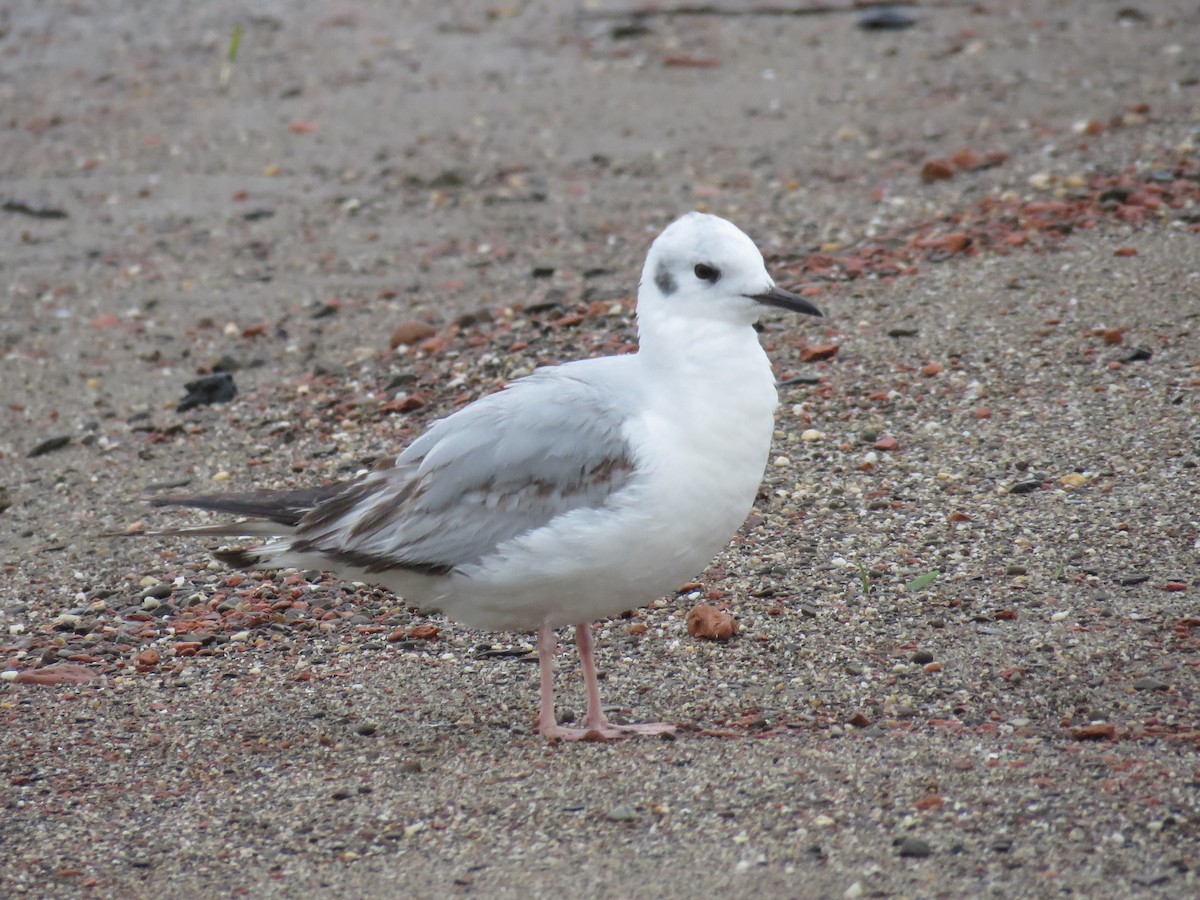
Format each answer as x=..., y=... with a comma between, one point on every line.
x=507, y=464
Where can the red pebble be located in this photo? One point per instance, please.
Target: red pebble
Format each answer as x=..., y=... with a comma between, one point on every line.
x=937, y=170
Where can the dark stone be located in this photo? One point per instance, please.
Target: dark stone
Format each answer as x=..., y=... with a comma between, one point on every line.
x=478, y=317
x=215, y=388
x=49, y=445
x=885, y=18
x=801, y=379
x=1026, y=487
x=914, y=847
x=33, y=210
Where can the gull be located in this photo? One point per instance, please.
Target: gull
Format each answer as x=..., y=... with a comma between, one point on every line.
x=575, y=493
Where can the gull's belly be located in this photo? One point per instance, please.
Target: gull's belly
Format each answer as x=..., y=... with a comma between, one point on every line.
x=690, y=498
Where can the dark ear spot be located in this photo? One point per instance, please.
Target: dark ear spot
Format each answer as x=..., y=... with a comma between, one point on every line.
x=663, y=279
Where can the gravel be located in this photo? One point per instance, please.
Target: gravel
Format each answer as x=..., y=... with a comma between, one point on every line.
x=1003, y=392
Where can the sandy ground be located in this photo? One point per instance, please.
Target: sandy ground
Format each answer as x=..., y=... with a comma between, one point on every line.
x=1020, y=726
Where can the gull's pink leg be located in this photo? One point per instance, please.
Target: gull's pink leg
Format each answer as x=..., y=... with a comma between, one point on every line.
x=546, y=643
x=587, y=656
x=595, y=726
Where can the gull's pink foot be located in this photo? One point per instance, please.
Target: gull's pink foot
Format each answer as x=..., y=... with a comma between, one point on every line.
x=603, y=731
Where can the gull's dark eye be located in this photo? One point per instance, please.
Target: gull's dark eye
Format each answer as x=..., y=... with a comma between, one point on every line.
x=707, y=273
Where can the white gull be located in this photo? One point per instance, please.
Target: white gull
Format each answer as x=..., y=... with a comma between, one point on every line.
x=577, y=492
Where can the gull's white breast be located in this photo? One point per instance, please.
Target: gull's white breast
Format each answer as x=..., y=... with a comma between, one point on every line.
x=701, y=435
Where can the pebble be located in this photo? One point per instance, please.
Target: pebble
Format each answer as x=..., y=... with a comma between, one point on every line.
x=411, y=332
x=1150, y=683
x=937, y=170
x=885, y=18
x=215, y=388
x=914, y=847
x=49, y=445
x=622, y=812
x=704, y=621
x=810, y=435
x=921, y=657
x=1026, y=487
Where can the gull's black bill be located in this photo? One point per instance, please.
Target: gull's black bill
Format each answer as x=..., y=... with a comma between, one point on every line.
x=785, y=300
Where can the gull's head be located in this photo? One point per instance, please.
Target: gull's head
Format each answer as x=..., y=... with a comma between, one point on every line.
x=703, y=267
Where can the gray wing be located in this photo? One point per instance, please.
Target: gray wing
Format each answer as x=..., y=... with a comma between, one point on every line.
x=504, y=465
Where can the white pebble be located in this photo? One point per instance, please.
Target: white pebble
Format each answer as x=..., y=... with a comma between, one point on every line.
x=782, y=462
x=810, y=435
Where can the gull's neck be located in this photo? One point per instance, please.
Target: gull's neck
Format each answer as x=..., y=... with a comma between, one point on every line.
x=711, y=345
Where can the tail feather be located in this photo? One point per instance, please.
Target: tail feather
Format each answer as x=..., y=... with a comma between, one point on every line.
x=285, y=508
x=223, y=529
